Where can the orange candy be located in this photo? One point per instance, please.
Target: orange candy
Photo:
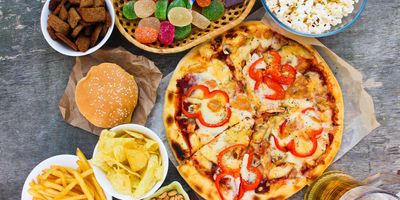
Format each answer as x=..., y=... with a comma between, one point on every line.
x=145, y=34
x=203, y=3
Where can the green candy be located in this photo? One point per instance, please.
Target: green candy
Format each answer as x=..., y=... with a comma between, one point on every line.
x=182, y=32
x=214, y=11
x=128, y=10
x=161, y=9
x=176, y=3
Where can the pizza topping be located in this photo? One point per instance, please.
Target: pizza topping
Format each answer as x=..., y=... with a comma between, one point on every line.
x=211, y=103
x=250, y=175
x=228, y=186
x=233, y=152
x=278, y=91
x=256, y=74
x=284, y=74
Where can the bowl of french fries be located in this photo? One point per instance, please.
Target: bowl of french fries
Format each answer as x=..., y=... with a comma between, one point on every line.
x=67, y=177
x=130, y=162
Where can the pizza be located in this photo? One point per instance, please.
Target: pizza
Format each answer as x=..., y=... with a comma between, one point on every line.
x=252, y=115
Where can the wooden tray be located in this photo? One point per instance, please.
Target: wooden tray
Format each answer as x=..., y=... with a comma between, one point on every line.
x=232, y=17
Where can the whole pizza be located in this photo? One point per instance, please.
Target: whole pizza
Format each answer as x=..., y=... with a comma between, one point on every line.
x=253, y=115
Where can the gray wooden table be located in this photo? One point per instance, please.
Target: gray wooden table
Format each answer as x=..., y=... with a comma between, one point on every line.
x=33, y=77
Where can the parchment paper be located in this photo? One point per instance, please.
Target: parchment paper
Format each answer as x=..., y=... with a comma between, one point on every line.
x=359, y=115
x=147, y=77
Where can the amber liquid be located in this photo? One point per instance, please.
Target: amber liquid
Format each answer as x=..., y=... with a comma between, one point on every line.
x=331, y=186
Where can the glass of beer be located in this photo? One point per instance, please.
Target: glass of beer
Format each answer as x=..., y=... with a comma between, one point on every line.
x=336, y=185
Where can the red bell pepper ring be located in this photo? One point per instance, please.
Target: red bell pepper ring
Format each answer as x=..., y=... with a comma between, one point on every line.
x=221, y=154
x=292, y=146
x=218, y=179
x=276, y=58
x=284, y=74
x=307, y=109
x=207, y=94
x=245, y=185
x=279, y=92
x=256, y=75
x=282, y=127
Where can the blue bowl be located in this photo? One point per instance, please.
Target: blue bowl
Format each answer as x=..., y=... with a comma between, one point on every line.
x=347, y=21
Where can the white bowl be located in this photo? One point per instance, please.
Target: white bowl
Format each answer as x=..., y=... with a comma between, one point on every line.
x=61, y=160
x=102, y=177
x=63, y=48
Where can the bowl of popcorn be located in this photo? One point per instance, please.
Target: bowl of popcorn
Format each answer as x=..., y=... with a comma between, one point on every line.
x=314, y=18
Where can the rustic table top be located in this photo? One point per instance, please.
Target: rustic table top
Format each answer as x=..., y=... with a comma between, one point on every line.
x=33, y=77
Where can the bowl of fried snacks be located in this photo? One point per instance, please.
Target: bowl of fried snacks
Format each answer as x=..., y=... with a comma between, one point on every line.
x=77, y=27
x=130, y=161
x=63, y=177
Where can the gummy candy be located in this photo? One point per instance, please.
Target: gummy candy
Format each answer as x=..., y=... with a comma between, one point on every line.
x=214, y=11
x=144, y=8
x=230, y=3
x=145, y=34
x=151, y=22
x=203, y=3
x=167, y=31
x=161, y=9
x=176, y=3
x=182, y=32
x=199, y=20
x=128, y=10
x=180, y=16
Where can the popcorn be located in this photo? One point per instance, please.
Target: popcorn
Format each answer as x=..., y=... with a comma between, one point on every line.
x=311, y=16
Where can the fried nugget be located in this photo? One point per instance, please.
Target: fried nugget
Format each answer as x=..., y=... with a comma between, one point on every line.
x=77, y=30
x=93, y=14
x=73, y=17
x=58, y=25
x=83, y=43
x=63, y=14
x=95, y=35
x=67, y=41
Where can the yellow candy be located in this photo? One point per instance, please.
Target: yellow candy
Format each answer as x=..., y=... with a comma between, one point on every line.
x=180, y=16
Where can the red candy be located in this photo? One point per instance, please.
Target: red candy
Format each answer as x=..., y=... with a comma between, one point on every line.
x=146, y=35
x=167, y=31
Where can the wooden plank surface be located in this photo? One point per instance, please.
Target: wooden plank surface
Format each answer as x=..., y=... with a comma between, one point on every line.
x=33, y=77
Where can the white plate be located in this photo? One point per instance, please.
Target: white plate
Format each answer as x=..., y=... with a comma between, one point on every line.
x=106, y=184
x=63, y=48
x=62, y=160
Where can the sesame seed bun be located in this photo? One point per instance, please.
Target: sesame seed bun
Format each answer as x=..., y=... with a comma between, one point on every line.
x=107, y=96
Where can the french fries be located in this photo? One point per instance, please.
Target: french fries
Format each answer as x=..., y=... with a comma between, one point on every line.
x=59, y=182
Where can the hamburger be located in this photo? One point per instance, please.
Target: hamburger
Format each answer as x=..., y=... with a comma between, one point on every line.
x=107, y=96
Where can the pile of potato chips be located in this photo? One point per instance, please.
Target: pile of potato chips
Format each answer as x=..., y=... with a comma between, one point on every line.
x=131, y=161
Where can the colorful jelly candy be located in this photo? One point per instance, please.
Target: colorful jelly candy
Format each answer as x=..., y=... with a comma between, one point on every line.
x=151, y=22
x=144, y=8
x=145, y=34
x=128, y=10
x=230, y=3
x=214, y=11
x=180, y=16
x=176, y=3
x=161, y=9
x=182, y=32
x=199, y=20
x=203, y=3
x=167, y=32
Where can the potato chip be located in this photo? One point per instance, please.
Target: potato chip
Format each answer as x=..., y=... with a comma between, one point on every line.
x=137, y=159
x=119, y=154
x=148, y=179
x=131, y=161
x=120, y=182
x=135, y=134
